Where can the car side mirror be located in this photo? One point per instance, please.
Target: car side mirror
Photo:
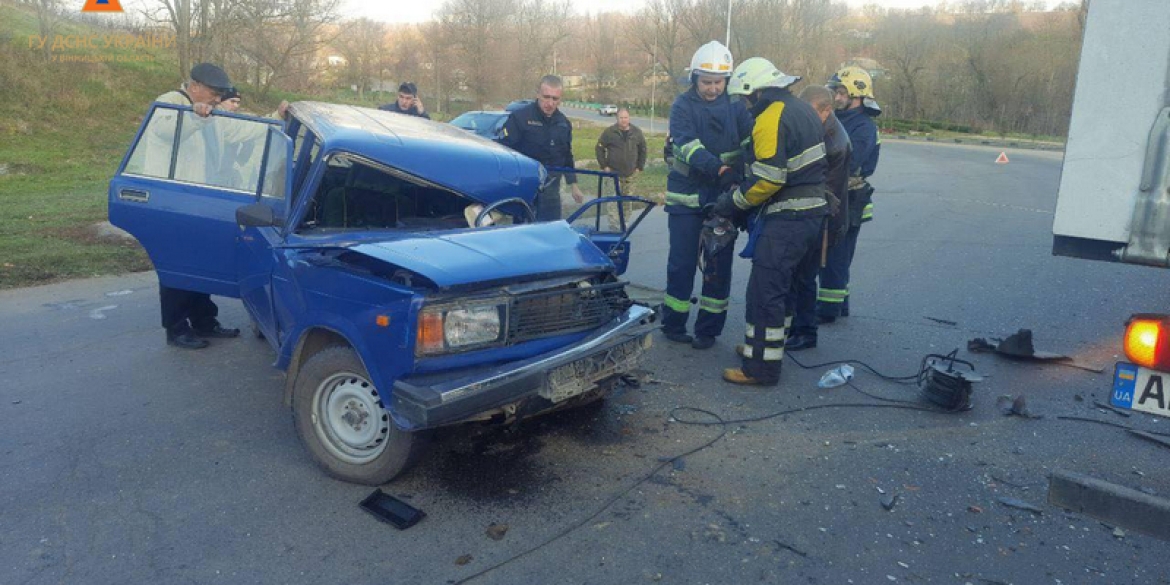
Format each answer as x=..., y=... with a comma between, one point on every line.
x=255, y=215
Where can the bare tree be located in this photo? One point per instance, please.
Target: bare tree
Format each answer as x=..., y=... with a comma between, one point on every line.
x=48, y=14
x=282, y=32
x=363, y=46
x=477, y=29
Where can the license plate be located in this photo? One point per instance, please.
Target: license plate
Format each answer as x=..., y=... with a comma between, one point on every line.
x=574, y=378
x=1140, y=389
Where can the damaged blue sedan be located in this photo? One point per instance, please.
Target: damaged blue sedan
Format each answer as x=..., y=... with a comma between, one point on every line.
x=392, y=263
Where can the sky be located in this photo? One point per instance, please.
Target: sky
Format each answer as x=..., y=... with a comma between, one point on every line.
x=420, y=10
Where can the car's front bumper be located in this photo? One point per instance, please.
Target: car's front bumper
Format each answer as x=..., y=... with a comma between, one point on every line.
x=433, y=400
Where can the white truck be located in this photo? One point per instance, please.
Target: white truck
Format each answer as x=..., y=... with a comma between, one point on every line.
x=1114, y=200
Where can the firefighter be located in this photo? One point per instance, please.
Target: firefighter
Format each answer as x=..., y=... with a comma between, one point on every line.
x=856, y=109
x=707, y=130
x=785, y=188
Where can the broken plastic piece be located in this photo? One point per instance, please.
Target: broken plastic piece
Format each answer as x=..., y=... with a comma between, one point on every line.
x=392, y=510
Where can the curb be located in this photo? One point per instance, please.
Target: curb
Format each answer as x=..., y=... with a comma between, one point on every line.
x=1110, y=503
x=981, y=141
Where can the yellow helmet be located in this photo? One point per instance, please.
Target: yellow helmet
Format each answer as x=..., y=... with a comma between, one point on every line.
x=855, y=80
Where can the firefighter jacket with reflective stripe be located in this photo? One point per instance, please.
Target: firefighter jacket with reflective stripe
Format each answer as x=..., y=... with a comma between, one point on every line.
x=549, y=139
x=864, y=136
x=706, y=136
x=787, y=152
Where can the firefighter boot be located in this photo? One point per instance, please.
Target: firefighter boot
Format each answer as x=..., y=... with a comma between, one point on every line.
x=737, y=376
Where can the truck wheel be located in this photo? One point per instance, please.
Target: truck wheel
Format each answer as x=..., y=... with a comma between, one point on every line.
x=342, y=420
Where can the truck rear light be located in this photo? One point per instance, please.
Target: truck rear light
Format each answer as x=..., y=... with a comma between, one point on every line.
x=1146, y=341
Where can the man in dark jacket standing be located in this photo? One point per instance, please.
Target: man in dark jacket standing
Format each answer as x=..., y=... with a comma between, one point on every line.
x=708, y=132
x=407, y=102
x=540, y=131
x=621, y=150
x=803, y=334
x=856, y=108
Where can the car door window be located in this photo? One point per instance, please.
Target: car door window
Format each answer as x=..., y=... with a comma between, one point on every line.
x=221, y=152
x=152, y=154
x=276, y=167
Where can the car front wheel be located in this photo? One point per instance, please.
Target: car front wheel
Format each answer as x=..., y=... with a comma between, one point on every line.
x=342, y=420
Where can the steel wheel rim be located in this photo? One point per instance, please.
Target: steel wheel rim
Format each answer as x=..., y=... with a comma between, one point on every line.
x=349, y=418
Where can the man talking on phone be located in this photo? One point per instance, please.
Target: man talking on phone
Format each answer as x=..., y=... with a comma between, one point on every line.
x=407, y=103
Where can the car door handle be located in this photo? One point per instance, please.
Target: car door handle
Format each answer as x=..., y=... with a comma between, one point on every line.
x=134, y=195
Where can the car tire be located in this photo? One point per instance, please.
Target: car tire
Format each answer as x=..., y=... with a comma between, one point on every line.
x=342, y=421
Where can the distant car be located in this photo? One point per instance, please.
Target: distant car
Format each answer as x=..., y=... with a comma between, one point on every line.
x=489, y=124
x=516, y=105
x=608, y=110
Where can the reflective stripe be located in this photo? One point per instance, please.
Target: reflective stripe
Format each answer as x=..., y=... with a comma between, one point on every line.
x=867, y=213
x=788, y=322
x=832, y=295
x=680, y=167
x=739, y=200
x=712, y=305
x=796, y=204
x=689, y=149
x=677, y=305
x=771, y=354
x=769, y=173
x=807, y=157
x=682, y=199
x=745, y=142
x=731, y=158
x=770, y=333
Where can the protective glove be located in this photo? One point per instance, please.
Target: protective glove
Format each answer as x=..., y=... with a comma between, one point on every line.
x=730, y=178
x=725, y=205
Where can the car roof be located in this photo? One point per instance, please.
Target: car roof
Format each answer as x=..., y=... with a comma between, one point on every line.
x=435, y=151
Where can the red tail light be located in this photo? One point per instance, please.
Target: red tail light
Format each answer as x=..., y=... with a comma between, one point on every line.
x=1146, y=341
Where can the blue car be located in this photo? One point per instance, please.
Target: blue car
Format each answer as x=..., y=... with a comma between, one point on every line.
x=488, y=123
x=359, y=242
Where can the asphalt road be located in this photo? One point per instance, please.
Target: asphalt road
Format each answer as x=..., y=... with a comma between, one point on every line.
x=658, y=126
x=125, y=461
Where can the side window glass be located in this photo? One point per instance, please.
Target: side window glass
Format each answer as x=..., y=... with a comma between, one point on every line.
x=220, y=152
x=276, y=168
x=152, y=154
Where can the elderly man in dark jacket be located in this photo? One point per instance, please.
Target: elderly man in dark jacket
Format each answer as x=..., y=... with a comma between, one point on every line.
x=621, y=150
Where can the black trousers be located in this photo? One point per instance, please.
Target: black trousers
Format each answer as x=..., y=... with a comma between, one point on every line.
x=681, y=263
x=183, y=310
x=804, y=309
x=783, y=244
x=833, y=297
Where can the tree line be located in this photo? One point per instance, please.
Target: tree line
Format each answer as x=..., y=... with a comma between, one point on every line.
x=986, y=65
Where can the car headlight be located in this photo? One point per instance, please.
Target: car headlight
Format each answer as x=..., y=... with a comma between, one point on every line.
x=443, y=329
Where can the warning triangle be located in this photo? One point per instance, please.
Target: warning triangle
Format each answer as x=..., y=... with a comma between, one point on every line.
x=1003, y=160
x=102, y=6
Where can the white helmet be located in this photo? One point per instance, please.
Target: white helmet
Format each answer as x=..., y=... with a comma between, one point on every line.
x=756, y=74
x=712, y=58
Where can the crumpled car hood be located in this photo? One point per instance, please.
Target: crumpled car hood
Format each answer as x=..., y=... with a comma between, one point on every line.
x=472, y=256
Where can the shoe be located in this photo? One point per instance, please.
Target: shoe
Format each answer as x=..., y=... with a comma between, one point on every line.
x=218, y=332
x=736, y=376
x=799, y=342
x=186, y=340
x=703, y=342
x=678, y=337
x=823, y=319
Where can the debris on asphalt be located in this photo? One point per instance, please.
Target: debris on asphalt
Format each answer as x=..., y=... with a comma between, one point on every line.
x=16, y=402
x=630, y=380
x=943, y=321
x=496, y=531
x=789, y=547
x=1118, y=533
x=679, y=464
x=1017, y=406
x=890, y=501
x=463, y=560
x=1111, y=408
x=974, y=509
x=1020, y=505
x=1019, y=346
x=391, y=510
x=1151, y=437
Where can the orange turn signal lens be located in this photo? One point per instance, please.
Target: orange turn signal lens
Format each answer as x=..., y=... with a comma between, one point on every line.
x=1144, y=340
x=382, y=320
x=430, y=333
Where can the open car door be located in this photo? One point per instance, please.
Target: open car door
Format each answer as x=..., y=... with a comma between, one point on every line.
x=178, y=188
x=614, y=240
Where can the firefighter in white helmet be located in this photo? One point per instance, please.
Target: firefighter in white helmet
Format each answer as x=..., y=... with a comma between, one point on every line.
x=707, y=131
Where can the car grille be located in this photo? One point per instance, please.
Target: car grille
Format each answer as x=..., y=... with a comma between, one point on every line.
x=564, y=310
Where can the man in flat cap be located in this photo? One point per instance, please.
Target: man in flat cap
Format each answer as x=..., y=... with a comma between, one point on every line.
x=407, y=102
x=189, y=317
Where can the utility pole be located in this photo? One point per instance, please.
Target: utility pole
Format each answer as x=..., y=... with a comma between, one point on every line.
x=727, y=43
x=653, y=79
